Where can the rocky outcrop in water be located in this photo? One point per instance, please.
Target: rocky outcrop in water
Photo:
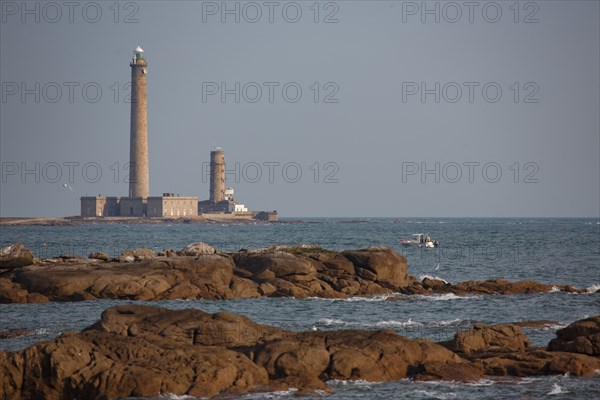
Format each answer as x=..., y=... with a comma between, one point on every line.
x=298, y=272
x=14, y=256
x=500, y=337
x=580, y=337
x=503, y=350
x=491, y=286
x=199, y=271
x=143, y=351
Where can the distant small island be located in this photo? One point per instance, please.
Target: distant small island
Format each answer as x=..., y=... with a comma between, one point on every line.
x=212, y=218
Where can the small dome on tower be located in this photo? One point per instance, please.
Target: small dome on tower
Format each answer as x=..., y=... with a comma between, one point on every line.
x=138, y=50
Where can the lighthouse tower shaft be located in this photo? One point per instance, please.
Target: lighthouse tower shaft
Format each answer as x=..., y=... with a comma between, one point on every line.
x=217, y=176
x=138, y=147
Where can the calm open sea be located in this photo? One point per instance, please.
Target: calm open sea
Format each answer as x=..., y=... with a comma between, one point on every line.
x=561, y=251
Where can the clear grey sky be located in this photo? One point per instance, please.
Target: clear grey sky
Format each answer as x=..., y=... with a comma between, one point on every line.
x=374, y=58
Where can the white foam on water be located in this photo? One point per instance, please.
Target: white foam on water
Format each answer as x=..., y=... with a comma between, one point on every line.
x=446, y=296
x=450, y=322
x=530, y=379
x=556, y=389
x=382, y=297
x=594, y=288
x=172, y=396
x=435, y=395
x=330, y=321
x=358, y=382
x=339, y=322
x=481, y=382
x=554, y=327
x=291, y=392
x=392, y=323
x=554, y=289
x=41, y=331
x=389, y=323
x=374, y=298
x=435, y=278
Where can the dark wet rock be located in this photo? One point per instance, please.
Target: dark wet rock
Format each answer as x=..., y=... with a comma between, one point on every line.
x=13, y=333
x=11, y=292
x=491, y=286
x=71, y=257
x=536, y=324
x=98, y=255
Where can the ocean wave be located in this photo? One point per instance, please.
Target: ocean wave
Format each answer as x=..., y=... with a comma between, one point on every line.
x=445, y=297
x=556, y=389
x=481, y=382
x=393, y=323
x=291, y=392
x=431, y=394
x=553, y=327
x=382, y=297
x=594, y=288
x=436, y=278
x=357, y=382
x=531, y=379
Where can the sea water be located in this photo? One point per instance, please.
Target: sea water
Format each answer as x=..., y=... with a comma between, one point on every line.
x=554, y=251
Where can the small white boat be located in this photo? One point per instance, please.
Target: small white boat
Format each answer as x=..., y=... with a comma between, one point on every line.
x=420, y=240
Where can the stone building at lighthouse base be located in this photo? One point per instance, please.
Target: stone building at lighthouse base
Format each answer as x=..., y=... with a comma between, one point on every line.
x=168, y=205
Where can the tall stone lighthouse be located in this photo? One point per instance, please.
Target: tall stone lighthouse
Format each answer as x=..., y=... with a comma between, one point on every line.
x=138, y=147
x=217, y=176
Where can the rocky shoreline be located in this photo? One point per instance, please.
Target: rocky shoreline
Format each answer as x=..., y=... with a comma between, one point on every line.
x=201, y=272
x=143, y=351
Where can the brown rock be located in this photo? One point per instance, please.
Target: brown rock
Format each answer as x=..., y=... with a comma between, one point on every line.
x=15, y=256
x=334, y=263
x=537, y=362
x=198, y=249
x=98, y=255
x=500, y=337
x=501, y=286
x=292, y=357
x=139, y=254
x=380, y=265
x=580, y=337
x=145, y=351
x=543, y=323
x=279, y=263
x=449, y=371
x=435, y=284
x=294, y=272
